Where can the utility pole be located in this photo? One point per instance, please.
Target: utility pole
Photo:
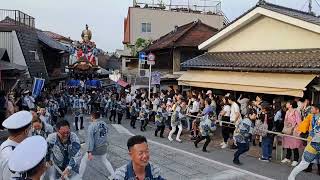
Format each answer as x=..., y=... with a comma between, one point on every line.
x=310, y=6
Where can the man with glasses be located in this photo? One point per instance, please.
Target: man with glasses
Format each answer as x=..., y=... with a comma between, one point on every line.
x=139, y=167
x=64, y=152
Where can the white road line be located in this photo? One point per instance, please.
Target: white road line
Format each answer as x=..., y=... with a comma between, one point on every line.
x=124, y=130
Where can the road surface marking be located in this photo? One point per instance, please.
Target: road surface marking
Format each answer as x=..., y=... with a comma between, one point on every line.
x=123, y=130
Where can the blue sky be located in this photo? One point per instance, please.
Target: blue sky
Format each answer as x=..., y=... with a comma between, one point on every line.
x=105, y=17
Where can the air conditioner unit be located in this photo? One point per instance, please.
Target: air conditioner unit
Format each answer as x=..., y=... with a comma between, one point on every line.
x=143, y=73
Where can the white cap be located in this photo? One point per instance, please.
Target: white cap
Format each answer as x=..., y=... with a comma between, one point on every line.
x=18, y=120
x=28, y=154
x=209, y=92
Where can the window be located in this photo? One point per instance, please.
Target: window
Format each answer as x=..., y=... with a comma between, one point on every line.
x=146, y=27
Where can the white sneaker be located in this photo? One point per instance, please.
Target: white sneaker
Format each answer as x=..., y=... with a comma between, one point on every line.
x=179, y=140
x=223, y=143
x=170, y=139
x=294, y=163
x=285, y=160
x=224, y=146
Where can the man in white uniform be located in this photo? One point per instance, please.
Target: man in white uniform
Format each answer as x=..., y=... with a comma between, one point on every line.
x=18, y=126
x=27, y=161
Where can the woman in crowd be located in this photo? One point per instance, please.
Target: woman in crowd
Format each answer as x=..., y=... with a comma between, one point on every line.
x=243, y=100
x=225, y=117
x=291, y=122
x=266, y=119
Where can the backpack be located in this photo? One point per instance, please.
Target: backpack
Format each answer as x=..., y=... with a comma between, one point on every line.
x=261, y=128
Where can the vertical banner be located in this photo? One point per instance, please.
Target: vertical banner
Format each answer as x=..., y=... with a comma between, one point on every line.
x=155, y=78
x=37, y=86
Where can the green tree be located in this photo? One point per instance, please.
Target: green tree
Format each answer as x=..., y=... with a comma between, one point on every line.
x=139, y=45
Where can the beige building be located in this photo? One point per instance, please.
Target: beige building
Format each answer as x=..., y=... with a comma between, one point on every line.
x=270, y=49
x=151, y=23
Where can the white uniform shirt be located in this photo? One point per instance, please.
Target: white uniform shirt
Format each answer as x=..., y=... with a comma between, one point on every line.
x=227, y=110
x=195, y=107
x=234, y=110
x=6, y=149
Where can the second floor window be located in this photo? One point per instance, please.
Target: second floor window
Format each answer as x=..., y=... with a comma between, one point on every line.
x=145, y=27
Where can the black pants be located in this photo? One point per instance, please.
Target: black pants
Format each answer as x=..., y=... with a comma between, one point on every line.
x=143, y=125
x=200, y=138
x=119, y=117
x=76, y=122
x=225, y=129
x=146, y=122
x=113, y=115
x=295, y=154
x=133, y=121
x=127, y=112
x=161, y=129
x=102, y=111
x=242, y=148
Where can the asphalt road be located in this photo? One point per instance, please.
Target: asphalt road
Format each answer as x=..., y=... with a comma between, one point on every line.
x=183, y=160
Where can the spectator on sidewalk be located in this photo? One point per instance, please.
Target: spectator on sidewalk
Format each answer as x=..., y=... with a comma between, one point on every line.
x=267, y=122
x=224, y=116
x=234, y=114
x=244, y=102
x=139, y=166
x=242, y=135
x=291, y=122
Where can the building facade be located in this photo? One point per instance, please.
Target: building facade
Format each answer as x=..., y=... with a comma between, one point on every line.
x=270, y=49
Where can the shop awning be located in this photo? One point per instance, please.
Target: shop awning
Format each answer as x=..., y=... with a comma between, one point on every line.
x=122, y=83
x=268, y=83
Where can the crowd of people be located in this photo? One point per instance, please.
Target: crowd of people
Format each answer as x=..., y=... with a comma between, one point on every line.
x=244, y=121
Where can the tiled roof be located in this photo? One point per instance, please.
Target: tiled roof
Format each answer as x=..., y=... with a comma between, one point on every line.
x=28, y=40
x=4, y=65
x=188, y=35
x=56, y=36
x=305, y=16
x=296, y=61
x=44, y=38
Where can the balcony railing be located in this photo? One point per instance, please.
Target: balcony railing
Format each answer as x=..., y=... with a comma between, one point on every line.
x=212, y=7
x=16, y=18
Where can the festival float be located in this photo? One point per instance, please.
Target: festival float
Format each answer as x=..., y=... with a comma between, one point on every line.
x=83, y=55
x=83, y=67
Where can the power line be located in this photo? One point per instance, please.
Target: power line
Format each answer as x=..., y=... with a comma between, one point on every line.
x=304, y=5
